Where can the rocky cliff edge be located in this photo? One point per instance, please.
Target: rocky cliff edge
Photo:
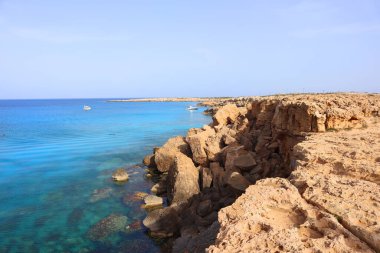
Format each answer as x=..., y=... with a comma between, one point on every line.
x=292, y=173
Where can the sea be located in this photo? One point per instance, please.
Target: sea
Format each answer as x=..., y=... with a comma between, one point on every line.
x=56, y=162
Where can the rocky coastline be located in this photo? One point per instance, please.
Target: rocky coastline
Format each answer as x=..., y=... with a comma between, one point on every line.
x=187, y=99
x=286, y=173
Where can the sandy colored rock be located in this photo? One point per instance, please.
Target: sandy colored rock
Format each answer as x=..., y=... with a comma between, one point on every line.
x=164, y=157
x=272, y=216
x=349, y=152
x=237, y=181
x=327, y=143
x=226, y=115
x=245, y=162
x=355, y=203
x=152, y=201
x=120, y=175
x=163, y=222
x=205, y=177
x=149, y=161
x=182, y=179
x=158, y=188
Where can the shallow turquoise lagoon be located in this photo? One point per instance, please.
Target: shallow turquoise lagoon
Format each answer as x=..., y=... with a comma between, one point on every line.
x=55, y=166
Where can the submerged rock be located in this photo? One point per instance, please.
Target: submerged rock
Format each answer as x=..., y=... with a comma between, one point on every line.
x=100, y=194
x=137, y=196
x=107, y=226
x=134, y=226
x=120, y=175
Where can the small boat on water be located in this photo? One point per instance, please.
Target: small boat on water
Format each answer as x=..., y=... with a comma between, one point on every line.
x=192, y=108
x=87, y=108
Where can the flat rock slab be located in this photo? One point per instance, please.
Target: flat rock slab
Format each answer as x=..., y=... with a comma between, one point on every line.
x=153, y=201
x=273, y=217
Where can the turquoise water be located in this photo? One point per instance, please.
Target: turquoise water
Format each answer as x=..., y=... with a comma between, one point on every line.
x=54, y=155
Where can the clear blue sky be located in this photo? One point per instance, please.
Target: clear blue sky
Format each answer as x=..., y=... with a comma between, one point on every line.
x=141, y=48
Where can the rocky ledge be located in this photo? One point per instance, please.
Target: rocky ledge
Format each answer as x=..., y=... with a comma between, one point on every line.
x=291, y=173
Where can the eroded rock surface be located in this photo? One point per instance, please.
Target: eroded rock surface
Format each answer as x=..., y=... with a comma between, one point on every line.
x=273, y=217
x=107, y=226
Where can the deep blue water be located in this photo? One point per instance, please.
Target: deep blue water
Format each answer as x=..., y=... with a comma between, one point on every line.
x=54, y=155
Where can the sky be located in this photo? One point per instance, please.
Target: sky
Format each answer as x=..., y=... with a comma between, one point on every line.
x=180, y=48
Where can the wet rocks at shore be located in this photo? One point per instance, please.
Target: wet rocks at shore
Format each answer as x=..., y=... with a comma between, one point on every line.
x=153, y=201
x=120, y=175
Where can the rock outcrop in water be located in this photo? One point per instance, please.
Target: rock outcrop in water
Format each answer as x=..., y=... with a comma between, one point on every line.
x=308, y=165
x=120, y=175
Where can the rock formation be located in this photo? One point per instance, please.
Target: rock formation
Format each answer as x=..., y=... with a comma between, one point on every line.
x=120, y=175
x=308, y=167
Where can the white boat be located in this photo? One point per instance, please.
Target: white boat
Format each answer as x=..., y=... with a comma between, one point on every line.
x=192, y=108
x=86, y=108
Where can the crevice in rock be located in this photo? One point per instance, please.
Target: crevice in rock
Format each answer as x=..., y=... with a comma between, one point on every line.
x=341, y=222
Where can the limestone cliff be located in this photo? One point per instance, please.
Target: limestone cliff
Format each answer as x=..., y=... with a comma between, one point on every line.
x=309, y=166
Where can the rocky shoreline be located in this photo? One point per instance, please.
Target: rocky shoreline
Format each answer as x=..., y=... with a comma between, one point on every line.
x=170, y=100
x=292, y=173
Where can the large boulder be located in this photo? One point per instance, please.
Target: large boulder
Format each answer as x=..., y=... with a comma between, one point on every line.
x=164, y=157
x=226, y=115
x=237, y=181
x=245, y=161
x=163, y=222
x=205, y=145
x=182, y=181
x=120, y=175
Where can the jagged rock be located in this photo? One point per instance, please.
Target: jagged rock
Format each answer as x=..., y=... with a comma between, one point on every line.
x=182, y=179
x=149, y=161
x=226, y=115
x=246, y=161
x=120, y=175
x=152, y=201
x=205, y=145
x=164, y=157
x=109, y=225
x=205, y=177
x=272, y=216
x=237, y=181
